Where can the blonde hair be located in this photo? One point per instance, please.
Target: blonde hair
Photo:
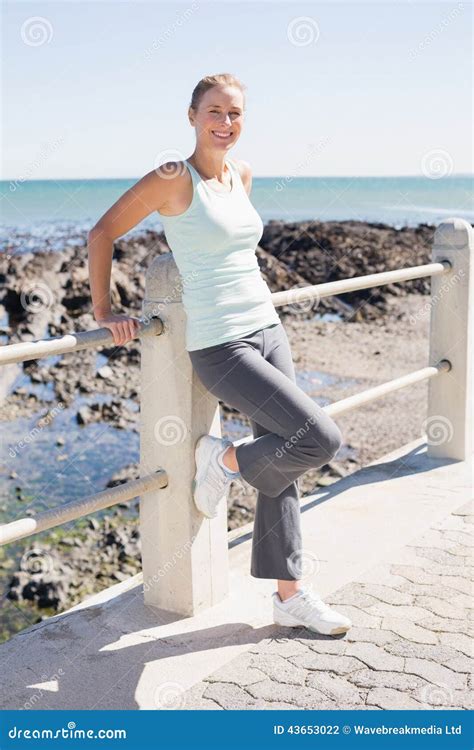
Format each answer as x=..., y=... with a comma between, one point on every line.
x=208, y=82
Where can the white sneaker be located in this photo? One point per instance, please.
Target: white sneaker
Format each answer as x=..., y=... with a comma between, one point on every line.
x=211, y=482
x=308, y=609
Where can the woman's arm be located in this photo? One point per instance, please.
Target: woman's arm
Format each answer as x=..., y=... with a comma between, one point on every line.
x=147, y=195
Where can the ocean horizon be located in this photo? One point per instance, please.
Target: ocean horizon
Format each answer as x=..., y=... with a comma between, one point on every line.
x=52, y=214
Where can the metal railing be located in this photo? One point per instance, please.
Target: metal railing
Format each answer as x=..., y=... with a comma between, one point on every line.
x=173, y=524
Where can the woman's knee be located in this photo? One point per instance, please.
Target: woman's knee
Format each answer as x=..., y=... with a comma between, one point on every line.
x=326, y=438
x=335, y=440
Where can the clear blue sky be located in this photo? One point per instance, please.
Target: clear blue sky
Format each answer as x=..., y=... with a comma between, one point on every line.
x=348, y=89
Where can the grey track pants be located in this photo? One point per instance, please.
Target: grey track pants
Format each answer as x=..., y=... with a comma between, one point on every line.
x=255, y=374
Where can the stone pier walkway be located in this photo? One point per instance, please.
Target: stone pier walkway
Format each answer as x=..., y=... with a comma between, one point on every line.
x=410, y=647
x=394, y=552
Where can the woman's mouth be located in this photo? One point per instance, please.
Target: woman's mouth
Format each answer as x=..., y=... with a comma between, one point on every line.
x=221, y=135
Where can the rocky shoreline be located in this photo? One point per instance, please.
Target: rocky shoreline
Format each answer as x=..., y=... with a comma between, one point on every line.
x=364, y=337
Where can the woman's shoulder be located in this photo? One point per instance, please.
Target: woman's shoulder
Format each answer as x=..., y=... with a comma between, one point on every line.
x=245, y=171
x=176, y=184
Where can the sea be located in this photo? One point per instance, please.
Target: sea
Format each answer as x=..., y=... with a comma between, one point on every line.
x=52, y=214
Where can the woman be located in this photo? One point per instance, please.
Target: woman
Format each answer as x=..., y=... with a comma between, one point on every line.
x=235, y=340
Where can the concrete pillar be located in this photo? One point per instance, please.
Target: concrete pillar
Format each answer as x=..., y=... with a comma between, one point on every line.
x=184, y=554
x=449, y=422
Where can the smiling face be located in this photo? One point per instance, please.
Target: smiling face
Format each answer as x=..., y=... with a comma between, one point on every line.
x=219, y=117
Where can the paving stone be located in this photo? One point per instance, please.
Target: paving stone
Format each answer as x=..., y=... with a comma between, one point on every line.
x=409, y=613
x=409, y=647
x=436, y=673
x=436, y=555
x=438, y=653
x=460, y=571
x=228, y=695
x=459, y=641
x=329, y=645
x=306, y=697
x=463, y=550
x=283, y=646
x=388, y=594
x=380, y=575
x=240, y=670
x=437, y=696
x=356, y=707
x=327, y=662
x=439, y=590
x=359, y=617
x=375, y=657
x=369, y=635
x=273, y=706
x=193, y=699
x=352, y=596
x=369, y=678
x=388, y=698
x=465, y=601
x=451, y=523
x=463, y=537
x=465, y=510
x=335, y=688
x=437, y=539
x=464, y=699
x=459, y=584
x=448, y=535
x=413, y=573
x=440, y=607
x=445, y=625
x=461, y=663
x=279, y=669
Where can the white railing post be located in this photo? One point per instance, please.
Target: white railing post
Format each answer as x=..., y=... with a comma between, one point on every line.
x=184, y=555
x=449, y=422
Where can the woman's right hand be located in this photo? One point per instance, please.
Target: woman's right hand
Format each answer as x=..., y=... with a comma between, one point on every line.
x=124, y=327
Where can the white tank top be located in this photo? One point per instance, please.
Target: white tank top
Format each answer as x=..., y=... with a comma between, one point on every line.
x=213, y=243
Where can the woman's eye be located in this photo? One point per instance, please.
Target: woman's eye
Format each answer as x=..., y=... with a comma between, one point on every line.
x=234, y=114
